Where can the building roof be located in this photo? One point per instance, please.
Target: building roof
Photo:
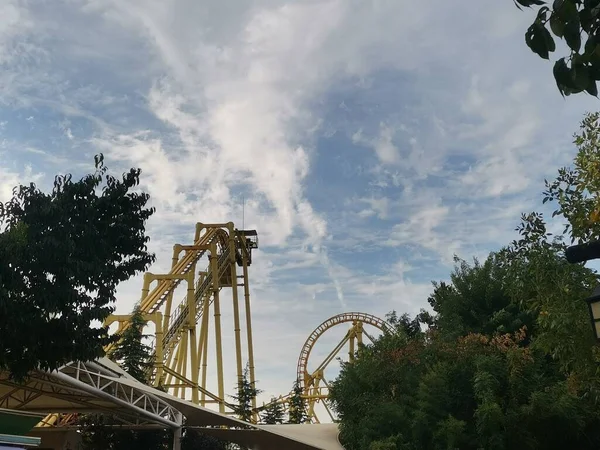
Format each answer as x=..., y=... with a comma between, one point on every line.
x=291, y=437
x=102, y=387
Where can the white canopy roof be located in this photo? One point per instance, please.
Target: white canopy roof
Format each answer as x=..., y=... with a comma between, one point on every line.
x=102, y=387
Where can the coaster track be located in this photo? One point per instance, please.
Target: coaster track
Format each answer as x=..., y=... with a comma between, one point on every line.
x=181, y=332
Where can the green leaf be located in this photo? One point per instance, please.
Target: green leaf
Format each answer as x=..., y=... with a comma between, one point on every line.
x=567, y=11
x=550, y=44
x=529, y=3
x=572, y=35
x=586, y=19
x=539, y=40
x=562, y=75
x=590, y=4
x=581, y=76
x=557, y=25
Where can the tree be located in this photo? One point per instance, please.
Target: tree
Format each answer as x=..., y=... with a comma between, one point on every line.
x=273, y=412
x=576, y=190
x=297, y=405
x=100, y=432
x=577, y=22
x=194, y=440
x=509, y=360
x=132, y=354
x=476, y=300
x=246, y=392
x=62, y=255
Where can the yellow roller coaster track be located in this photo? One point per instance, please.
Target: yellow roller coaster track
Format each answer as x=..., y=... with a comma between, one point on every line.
x=315, y=387
x=182, y=333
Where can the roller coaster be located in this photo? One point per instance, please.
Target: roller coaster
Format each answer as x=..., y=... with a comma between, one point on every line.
x=181, y=331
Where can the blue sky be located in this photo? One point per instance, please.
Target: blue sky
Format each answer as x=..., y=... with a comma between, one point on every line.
x=371, y=140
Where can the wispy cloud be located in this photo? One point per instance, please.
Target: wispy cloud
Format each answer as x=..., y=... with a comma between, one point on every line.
x=370, y=140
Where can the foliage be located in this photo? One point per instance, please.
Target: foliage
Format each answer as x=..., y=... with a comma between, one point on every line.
x=102, y=432
x=472, y=392
x=273, y=413
x=577, y=22
x=475, y=301
x=194, y=440
x=297, y=406
x=576, y=190
x=62, y=255
x=99, y=432
x=245, y=394
x=132, y=354
x=508, y=360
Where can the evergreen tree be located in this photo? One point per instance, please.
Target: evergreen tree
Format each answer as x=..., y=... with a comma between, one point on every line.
x=134, y=357
x=273, y=413
x=132, y=354
x=297, y=409
x=246, y=393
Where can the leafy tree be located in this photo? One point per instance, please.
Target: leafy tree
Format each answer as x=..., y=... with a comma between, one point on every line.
x=246, y=393
x=62, y=254
x=194, y=440
x=576, y=190
x=132, y=354
x=297, y=406
x=273, y=413
x=577, y=22
x=509, y=360
x=477, y=301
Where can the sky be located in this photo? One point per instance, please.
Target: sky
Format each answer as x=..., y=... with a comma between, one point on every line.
x=369, y=141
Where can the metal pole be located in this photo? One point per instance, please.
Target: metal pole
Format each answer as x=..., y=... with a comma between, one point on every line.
x=236, y=305
x=248, y=320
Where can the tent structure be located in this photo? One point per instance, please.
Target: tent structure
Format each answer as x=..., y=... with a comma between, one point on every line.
x=102, y=387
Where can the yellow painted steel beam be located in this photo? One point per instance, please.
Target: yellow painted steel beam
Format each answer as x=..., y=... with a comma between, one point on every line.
x=247, y=308
x=182, y=331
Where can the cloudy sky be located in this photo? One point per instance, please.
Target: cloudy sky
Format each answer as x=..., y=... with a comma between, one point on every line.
x=371, y=140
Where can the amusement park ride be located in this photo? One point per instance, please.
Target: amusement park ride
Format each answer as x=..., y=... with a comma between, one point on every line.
x=183, y=330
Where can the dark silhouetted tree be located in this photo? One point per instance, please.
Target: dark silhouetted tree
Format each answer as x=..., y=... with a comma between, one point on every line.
x=577, y=23
x=62, y=255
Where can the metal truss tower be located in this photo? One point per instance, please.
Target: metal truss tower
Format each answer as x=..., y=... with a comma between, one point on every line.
x=311, y=377
x=183, y=331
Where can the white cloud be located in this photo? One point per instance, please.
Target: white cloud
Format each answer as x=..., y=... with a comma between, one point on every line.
x=217, y=101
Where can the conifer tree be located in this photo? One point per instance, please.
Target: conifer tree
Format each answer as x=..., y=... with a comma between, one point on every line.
x=297, y=412
x=132, y=354
x=246, y=392
x=273, y=413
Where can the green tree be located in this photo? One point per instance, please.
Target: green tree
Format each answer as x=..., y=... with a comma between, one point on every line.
x=476, y=300
x=576, y=189
x=132, y=354
x=99, y=432
x=577, y=23
x=246, y=392
x=194, y=440
x=509, y=360
x=273, y=413
x=62, y=255
x=297, y=405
